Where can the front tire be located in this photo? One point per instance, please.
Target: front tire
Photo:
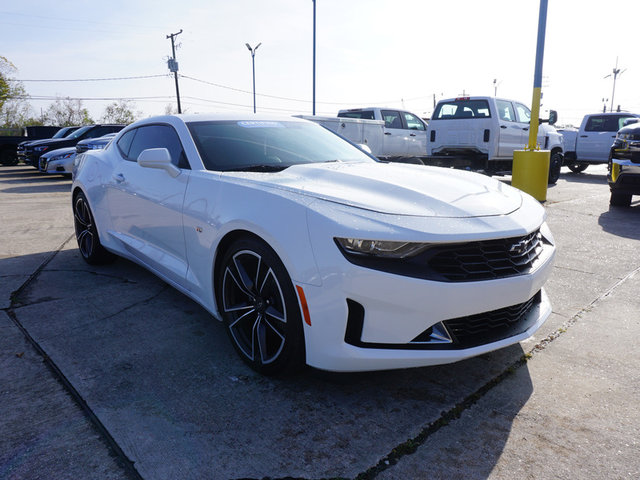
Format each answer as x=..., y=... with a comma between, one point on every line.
x=260, y=308
x=89, y=244
x=620, y=199
x=555, y=164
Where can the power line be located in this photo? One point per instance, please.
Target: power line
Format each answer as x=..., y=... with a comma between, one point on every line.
x=91, y=79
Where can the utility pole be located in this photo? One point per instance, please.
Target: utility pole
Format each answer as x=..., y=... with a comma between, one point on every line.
x=615, y=73
x=173, y=65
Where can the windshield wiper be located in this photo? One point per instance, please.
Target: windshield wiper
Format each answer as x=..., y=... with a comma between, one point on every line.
x=260, y=168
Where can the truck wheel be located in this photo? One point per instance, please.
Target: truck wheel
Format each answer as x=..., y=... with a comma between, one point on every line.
x=620, y=199
x=578, y=167
x=555, y=164
x=8, y=158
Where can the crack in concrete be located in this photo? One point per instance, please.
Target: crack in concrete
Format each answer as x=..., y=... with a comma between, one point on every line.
x=126, y=463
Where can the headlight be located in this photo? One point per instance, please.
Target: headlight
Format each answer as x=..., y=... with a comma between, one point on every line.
x=41, y=149
x=546, y=233
x=61, y=157
x=380, y=248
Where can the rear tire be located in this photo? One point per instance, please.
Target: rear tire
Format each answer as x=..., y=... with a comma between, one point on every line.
x=87, y=237
x=578, y=167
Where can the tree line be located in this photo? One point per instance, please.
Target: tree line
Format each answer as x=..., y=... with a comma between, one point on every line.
x=16, y=110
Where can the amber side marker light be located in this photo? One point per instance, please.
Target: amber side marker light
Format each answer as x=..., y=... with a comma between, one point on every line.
x=303, y=303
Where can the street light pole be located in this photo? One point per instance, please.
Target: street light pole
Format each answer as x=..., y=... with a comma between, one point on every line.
x=314, y=57
x=253, y=63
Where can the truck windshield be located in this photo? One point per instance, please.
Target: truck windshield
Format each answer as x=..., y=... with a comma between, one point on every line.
x=455, y=109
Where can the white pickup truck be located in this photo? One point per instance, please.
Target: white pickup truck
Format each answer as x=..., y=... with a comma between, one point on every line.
x=481, y=133
x=390, y=134
x=591, y=144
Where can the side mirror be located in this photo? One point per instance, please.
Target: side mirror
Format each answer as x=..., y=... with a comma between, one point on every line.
x=158, y=158
x=553, y=118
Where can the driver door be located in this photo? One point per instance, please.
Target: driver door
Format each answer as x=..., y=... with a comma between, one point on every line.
x=146, y=204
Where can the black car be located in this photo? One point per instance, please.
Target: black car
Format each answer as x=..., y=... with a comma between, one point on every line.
x=624, y=166
x=33, y=150
x=22, y=146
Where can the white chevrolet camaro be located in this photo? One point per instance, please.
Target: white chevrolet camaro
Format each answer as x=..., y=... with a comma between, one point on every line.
x=309, y=250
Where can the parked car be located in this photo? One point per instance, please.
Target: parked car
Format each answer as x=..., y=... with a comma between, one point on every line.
x=11, y=138
x=591, y=143
x=22, y=146
x=34, y=150
x=624, y=166
x=60, y=161
x=481, y=133
x=310, y=250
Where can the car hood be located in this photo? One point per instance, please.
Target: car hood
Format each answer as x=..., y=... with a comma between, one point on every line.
x=398, y=189
x=54, y=142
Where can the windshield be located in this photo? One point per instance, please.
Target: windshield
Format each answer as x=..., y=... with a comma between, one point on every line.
x=79, y=132
x=61, y=133
x=268, y=145
x=461, y=109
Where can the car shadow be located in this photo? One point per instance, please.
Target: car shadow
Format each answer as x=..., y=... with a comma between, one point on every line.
x=154, y=365
x=584, y=177
x=32, y=181
x=622, y=221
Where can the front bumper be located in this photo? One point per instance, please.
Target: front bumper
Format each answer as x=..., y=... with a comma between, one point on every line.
x=624, y=176
x=363, y=319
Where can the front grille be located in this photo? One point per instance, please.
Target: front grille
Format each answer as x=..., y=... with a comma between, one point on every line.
x=488, y=327
x=486, y=260
x=462, y=262
x=464, y=332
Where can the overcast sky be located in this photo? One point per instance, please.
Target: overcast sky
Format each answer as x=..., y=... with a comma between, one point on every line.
x=391, y=53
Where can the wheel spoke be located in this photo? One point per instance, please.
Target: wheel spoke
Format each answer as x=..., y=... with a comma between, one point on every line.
x=244, y=277
x=238, y=283
x=85, y=241
x=243, y=331
x=274, y=313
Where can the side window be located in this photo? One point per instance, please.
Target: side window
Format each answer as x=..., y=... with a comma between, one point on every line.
x=158, y=136
x=124, y=143
x=413, y=122
x=391, y=119
x=505, y=111
x=596, y=124
x=524, y=114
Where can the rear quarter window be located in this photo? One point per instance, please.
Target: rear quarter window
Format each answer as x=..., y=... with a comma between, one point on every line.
x=363, y=114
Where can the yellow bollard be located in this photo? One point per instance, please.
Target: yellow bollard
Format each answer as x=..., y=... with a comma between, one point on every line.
x=531, y=172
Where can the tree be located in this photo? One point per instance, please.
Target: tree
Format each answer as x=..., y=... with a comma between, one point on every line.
x=15, y=110
x=120, y=112
x=65, y=112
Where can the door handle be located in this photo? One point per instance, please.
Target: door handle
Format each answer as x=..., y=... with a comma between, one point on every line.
x=118, y=177
x=412, y=134
x=387, y=133
x=526, y=128
x=584, y=136
x=503, y=126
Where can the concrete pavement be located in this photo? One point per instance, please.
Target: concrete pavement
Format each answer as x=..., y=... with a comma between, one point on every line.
x=153, y=388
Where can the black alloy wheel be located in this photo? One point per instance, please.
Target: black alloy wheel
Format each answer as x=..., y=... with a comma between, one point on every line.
x=260, y=308
x=89, y=244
